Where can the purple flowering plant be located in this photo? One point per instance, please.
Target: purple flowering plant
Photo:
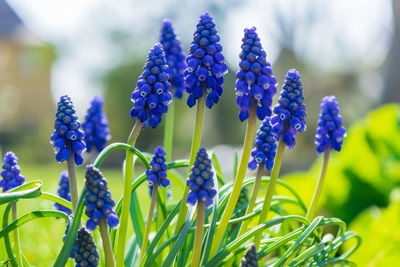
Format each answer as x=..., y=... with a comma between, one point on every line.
x=213, y=223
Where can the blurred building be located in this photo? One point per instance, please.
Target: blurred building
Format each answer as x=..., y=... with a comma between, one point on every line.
x=25, y=69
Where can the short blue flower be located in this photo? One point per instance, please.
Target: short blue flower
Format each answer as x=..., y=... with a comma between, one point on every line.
x=330, y=131
x=85, y=251
x=96, y=125
x=265, y=146
x=175, y=57
x=152, y=93
x=158, y=172
x=290, y=111
x=250, y=258
x=200, y=181
x=11, y=173
x=206, y=64
x=67, y=138
x=64, y=192
x=256, y=84
x=98, y=200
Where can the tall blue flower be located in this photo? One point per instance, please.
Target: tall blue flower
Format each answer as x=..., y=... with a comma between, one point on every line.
x=175, y=57
x=200, y=181
x=96, y=125
x=265, y=146
x=151, y=95
x=255, y=83
x=206, y=64
x=158, y=172
x=330, y=131
x=64, y=192
x=67, y=138
x=98, y=200
x=250, y=258
x=290, y=111
x=11, y=173
x=85, y=250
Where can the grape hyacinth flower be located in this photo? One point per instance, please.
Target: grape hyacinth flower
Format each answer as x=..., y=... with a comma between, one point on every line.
x=96, y=125
x=265, y=146
x=250, y=258
x=158, y=172
x=98, y=200
x=330, y=131
x=63, y=192
x=206, y=64
x=255, y=83
x=151, y=95
x=86, y=253
x=200, y=181
x=11, y=173
x=175, y=57
x=67, y=137
x=290, y=110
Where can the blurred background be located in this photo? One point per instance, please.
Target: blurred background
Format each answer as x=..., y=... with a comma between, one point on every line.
x=347, y=48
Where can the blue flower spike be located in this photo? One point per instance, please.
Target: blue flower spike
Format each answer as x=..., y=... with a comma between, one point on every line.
x=85, y=251
x=255, y=83
x=290, y=111
x=152, y=93
x=250, y=258
x=96, y=126
x=264, y=146
x=11, y=173
x=158, y=172
x=206, y=64
x=67, y=138
x=98, y=200
x=175, y=57
x=200, y=181
x=330, y=131
x=63, y=192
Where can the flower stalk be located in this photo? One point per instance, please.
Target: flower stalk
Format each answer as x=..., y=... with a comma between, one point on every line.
x=73, y=184
x=17, y=246
x=169, y=130
x=198, y=238
x=105, y=237
x=149, y=220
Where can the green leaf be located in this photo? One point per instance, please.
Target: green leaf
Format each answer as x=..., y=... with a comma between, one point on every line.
x=217, y=168
x=28, y=190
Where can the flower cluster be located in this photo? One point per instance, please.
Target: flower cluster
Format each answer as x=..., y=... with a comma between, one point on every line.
x=175, y=57
x=151, y=95
x=67, y=137
x=330, y=131
x=98, y=200
x=96, y=125
x=64, y=192
x=250, y=258
x=290, y=111
x=158, y=172
x=11, y=173
x=255, y=83
x=206, y=64
x=85, y=251
x=265, y=146
x=200, y=181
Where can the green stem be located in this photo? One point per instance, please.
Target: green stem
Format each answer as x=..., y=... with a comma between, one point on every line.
x=126, y=201
x=193, y=151
x=17, y=247
x=105, y=237
x=314, y=202
x=149, y=220
x=169, y=130
x=198, y=238
x=271, y=187
x=252, y=201
x=73, y=184
x=230, y=207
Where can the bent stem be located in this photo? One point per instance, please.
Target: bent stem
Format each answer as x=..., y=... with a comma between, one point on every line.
x=271, y=188
x=73, y=184
x=17, y=247
x=314, y=202
x=193, y=151
x=126, y=201
x=198, y=238
x=149, y=220
x=248, y=144
x=252, y=201
x=105, y=237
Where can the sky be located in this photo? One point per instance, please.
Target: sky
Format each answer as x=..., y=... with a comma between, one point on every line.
x=338, y=34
